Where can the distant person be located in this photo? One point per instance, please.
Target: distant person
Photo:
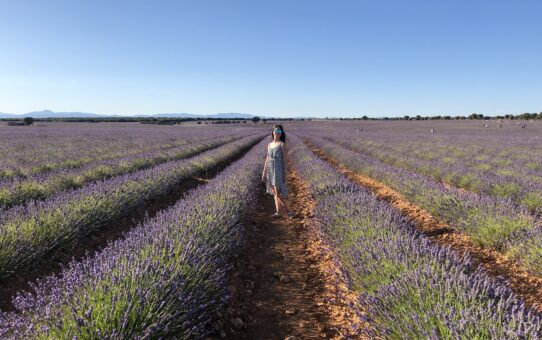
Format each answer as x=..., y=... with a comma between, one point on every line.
x=274, y=172
x=432, y=130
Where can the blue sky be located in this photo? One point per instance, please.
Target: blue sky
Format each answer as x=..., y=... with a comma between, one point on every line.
x=282, y=58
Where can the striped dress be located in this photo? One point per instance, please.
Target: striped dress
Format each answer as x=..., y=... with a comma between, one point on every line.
x=275, y=170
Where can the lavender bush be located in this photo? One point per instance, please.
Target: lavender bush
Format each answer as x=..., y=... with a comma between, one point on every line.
x=48, y=147
x=41, y=186
x=489, y=221
x=164, y=280
x=29, y=232
x=411, y=288
x=504, y=178
x=495, y=161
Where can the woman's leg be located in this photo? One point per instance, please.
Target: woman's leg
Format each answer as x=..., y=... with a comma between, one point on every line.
x=276, y=196
x=283, y=203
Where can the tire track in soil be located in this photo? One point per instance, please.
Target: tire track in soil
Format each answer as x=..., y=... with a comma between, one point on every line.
x=286, y=282
x=519, y=279
x=99, y=239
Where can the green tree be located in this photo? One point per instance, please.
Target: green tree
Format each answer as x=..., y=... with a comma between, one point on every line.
x=476, y=116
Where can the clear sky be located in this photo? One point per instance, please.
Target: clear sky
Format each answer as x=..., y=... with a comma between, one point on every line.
x=282, y=58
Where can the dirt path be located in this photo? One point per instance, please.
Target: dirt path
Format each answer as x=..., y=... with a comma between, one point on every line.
x=287, y=285
x=524, y=284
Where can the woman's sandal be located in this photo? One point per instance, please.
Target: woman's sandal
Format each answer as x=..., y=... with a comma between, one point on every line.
x=276, y=215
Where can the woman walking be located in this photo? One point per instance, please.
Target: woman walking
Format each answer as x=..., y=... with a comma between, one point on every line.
x=274, y=171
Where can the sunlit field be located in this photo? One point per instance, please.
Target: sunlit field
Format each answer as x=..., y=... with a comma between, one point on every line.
x=128, y=230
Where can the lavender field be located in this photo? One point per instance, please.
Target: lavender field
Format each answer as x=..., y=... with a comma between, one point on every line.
x=482, y=178
x=165, y=214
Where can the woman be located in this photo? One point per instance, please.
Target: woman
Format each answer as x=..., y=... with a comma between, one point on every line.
x=274, y=172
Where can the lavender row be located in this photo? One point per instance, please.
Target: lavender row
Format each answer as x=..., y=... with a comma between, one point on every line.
x=41, y=149
x=41, y=186
x=164, y=280
x=489, y=221
x=506, y=177
x=61, y=159
x=29, y=232
x=55, y=146
x=501, y=148
x=412, y=289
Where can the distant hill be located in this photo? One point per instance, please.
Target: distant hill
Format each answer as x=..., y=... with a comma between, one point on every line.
x=231, y=115
x=52, y=114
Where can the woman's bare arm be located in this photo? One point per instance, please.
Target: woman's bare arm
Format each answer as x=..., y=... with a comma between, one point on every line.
x=264, y=166
x=285, y=154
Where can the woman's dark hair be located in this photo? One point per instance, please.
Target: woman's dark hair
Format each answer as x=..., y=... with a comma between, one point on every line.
x=282, y=134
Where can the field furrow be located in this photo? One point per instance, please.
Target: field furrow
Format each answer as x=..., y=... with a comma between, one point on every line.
x=400, y=230
x=54, y=147
x=498, y=162
x=521, y=281
x=490, y=222
x=410, y=287
x=166, y=279
x=286, y=281
x=39, y=187
x=32, y=231
x=518, y=181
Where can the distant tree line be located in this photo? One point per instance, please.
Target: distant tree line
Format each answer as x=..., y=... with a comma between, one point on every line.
x=148, y=120
x=142, y=120
x=226, y=122
x=255, y=119
x=25, y=121
x=472, y=116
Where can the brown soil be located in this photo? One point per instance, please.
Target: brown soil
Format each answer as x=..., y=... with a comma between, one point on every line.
x=286, y=281
x=523, y=283
x=99, y=239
